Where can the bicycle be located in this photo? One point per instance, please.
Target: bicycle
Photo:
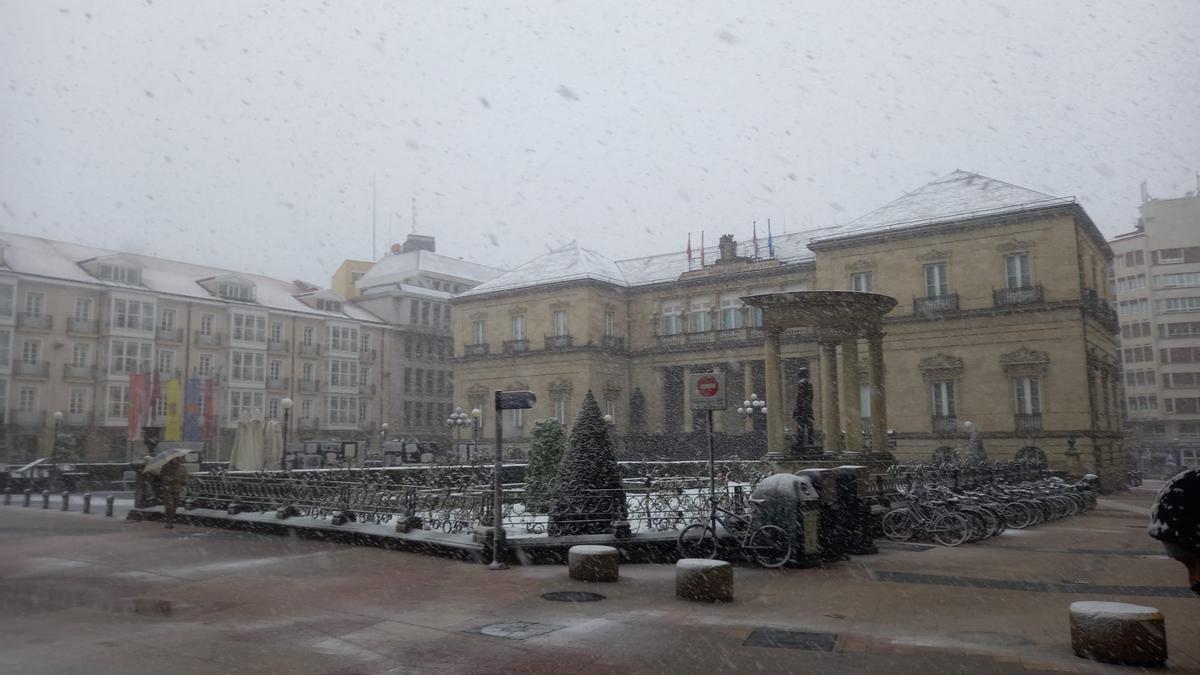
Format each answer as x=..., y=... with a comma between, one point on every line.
x=767, y=545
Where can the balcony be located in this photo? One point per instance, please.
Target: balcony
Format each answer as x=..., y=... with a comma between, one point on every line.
x=308, y=386
x=1028, y=422
x=277, y=346
x=935, y=304
x=476, y=350
x=310, y=349
x=516, y=346
x=366, y=355
x=559, y=342
x=83, y=327
x=29, y=321
x=79, y=419
x=207, y=339
x=944, y=424
x=1096, y=306
x=170, y=334
x=29, y=419
x=277, y=383
x=366, y=390
x=40, y=369
x=612, y=343
x=79, y=373
x=1023, y=295
x=308, y=423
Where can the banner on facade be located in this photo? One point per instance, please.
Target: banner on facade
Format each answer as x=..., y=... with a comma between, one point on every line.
x=209, y=411
x=174, y=401
x=193, y=423
x=136, y=400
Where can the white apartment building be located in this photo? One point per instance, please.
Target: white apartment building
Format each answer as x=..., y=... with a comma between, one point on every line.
x=1156, y=280
x=76, y=322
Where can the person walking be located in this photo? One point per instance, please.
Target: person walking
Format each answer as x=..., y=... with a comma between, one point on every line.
x=170, y=478
x=1175, y=521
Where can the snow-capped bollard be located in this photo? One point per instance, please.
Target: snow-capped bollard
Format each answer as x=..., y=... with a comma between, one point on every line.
x=87, y=502
x=28, y=496
x=704, y=580
x=593, y=563
x=66, y=501
x=1118, y=633
x=45, y=499
x=7, y=496
x=108, y=506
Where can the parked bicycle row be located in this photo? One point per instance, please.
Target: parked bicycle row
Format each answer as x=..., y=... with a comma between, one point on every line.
x=951, y=517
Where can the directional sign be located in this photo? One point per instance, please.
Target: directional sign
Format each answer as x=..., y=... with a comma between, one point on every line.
x=515, y=400
x=707, y=391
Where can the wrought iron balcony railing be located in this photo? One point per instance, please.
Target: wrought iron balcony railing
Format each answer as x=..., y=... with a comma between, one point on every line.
x=936, y=304
x=83, y=326
x=481, y=349
x=516, y=346
x=944, y=424
x=1021, y=295
x=559, y=341
x=613, y=343
x=1028, y=421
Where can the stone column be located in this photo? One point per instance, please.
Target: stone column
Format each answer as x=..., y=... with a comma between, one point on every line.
x=776, y=410
x=848, y=387
x=830, y=422
x=879, y=425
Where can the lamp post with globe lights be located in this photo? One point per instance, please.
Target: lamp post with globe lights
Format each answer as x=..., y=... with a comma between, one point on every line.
x=456, y=421
x=286, y=404
x=752, y=407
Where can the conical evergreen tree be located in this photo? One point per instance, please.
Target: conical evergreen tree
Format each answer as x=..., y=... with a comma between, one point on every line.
x=587, y=493
x=549, y=444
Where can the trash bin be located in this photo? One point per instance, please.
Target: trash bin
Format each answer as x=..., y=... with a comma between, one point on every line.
x=829, y=540
x=791, y=502
x=854, y=525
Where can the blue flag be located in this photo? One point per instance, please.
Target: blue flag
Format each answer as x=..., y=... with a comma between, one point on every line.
x=770, y=240
x=193, y=422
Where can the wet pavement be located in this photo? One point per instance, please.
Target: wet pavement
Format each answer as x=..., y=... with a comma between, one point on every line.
x=87, y=594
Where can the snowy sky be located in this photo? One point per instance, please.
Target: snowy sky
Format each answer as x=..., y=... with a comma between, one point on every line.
x=246, y=134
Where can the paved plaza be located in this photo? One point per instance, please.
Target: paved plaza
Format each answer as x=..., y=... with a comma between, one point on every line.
x=88, y=594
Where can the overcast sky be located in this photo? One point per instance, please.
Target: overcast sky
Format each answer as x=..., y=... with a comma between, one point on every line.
x=247, y=134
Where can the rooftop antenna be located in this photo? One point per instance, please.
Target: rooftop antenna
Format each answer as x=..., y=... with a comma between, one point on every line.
x=1145, y=193
x=373, y=242
x=414, y=215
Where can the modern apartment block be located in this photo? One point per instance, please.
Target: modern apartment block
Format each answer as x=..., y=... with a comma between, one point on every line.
x=76, y=322
x=1156, y=279
x=410, y=289
x=1003, y=319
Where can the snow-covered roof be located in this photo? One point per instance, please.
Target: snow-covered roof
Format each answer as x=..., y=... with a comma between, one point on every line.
x=60, y=260
x=573, y=263
x=957, y=196
x=396, y=268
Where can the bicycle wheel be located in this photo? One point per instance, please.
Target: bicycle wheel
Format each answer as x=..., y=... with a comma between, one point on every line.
x=949, y=529
x=897, y=525
x=697, y=541
x=769, y=546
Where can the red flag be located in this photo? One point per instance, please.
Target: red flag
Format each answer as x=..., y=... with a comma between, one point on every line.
x=689, y=250
x=155, y=395
x=136, y=400
x=702, y=248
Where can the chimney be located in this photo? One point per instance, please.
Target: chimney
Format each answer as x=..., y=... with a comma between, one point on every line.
x=418, y=242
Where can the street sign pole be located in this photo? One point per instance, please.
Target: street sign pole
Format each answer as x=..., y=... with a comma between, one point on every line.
x=708, y=394
x=712, y=474
x=505, y=400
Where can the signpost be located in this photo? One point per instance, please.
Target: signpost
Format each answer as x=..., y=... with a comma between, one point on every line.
x=505, y=400
x=708, y=394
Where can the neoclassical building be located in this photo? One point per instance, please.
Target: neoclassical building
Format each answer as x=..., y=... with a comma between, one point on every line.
x=1002, y=318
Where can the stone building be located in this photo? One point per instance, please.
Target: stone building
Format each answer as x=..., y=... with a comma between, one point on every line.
x=410, y=289
x=1156, y=280
x=1002, y=320
x=77, y=322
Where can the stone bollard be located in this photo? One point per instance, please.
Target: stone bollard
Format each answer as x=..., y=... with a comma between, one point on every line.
x=7, y=496
x=1118, y=633
x=45, y=499
x=593, y=563
x=28, y=496
x=87, y=502
x=108, y=506
x=66, y=501
x=704, y=580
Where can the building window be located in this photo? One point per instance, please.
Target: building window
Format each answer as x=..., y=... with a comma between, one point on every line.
x=610, y=323
x=610, y=409
x=343, y=339
x=864, y=399
x=935, y=280
x=206, y=324
x=249, y=328
x=517, y=419
x=1027, y=395
x=364, y=342
x=731, y=312
x=1016, y=271
x=244, y=404
x=118, y=401
x=943, y=399
x=341, y=409
x=131, y=356
x=27, y=399
x=34, y=304
x=672, y=318
x=326, y=305
x=863, y=282
x=247, y=366
x=306, y=336
x=119, y=273
x=7, y=293
x=234, y=291
x=307, y=370
x=166, y=319
x=343, y=373
x=276, y=331
x=166, y=360
x=275, y=369
x=561, y=409
x=81, y=355
x=560, y=323
x=31, y=351
x=273, y=409
x=1169, y=256
x=77, y=401
x=477, y=333
x=133, y=315
x=701, y=316
x=306, y=408
x=204, y=366
x=518, y=327
x=83, y=309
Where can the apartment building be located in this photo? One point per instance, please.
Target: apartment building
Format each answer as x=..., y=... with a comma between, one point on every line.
x=1003, y=320
x=78, y=322
x=1156, y=281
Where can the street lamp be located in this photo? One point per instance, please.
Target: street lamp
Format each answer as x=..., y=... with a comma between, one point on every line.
x=457, y=420
x=476, y=413
x=382, y=439
x=286, y=404
x=754, y=406
x=58, y=417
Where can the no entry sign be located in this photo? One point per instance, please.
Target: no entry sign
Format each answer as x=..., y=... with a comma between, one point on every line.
x=707, y=391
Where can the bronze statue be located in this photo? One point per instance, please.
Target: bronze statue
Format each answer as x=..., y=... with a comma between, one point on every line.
x=803, y=412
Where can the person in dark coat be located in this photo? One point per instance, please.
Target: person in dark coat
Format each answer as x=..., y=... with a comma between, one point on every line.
x=173, y=478
x=1175, y=521
x=803, y=412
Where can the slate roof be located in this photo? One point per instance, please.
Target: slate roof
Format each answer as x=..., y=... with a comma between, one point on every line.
x=395, y=268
